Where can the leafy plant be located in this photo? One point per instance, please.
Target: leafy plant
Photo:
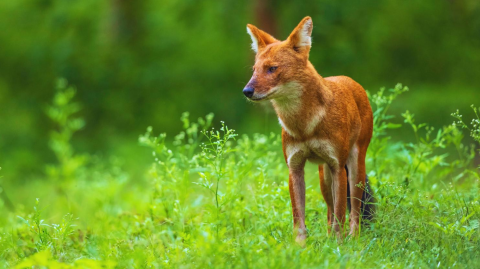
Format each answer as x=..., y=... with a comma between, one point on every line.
x=51, y=237
x=474, y=129
x=215, y=151
x=62, y=112
x=381, y=103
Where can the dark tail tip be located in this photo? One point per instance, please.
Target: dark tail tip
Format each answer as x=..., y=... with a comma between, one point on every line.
x=368, y=201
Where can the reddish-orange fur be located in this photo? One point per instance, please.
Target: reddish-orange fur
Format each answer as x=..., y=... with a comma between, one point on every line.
x=327, y=121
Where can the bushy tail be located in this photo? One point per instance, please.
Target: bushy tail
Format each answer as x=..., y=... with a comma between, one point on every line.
x=368, y=200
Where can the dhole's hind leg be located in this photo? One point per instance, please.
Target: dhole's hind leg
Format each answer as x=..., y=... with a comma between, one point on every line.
x=326, y=188
x=356, y=176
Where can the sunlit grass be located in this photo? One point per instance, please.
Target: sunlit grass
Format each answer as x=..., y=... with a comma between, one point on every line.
x=212, y=198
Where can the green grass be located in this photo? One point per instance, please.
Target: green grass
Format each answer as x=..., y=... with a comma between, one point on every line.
x=214, y=199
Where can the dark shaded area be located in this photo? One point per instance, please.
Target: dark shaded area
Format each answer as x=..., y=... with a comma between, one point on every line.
x=368, y=200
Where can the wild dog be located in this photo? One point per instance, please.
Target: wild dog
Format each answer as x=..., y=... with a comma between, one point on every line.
x=327, y=121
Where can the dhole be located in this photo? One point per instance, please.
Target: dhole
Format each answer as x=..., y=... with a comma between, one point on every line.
x=327, y=121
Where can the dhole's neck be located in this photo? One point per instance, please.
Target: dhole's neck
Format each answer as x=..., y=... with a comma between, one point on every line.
x=302, y=107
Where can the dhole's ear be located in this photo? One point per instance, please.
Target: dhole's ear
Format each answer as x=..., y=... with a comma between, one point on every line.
x=300, y=39
x=260, y=39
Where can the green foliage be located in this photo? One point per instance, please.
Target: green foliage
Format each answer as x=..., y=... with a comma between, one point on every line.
x=381, y=102
x=62, y=112
x=475, y=124
x=48, y=236
x=45, y=260
x=474, y=129
x=142, y=63
x=209, y=198
x=214, y=152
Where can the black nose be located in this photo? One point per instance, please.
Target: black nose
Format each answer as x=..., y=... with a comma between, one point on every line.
x=248, y=92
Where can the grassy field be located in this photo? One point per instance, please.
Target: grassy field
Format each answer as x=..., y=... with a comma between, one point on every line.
x=215, y=198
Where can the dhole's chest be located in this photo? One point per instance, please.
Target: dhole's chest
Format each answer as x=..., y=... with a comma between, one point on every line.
x=317, y=151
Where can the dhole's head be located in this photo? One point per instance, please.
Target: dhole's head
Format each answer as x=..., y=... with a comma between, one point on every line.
x=278, y=64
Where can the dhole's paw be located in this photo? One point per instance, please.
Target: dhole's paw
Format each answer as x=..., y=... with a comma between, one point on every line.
x=354, y=231
x=301, y=240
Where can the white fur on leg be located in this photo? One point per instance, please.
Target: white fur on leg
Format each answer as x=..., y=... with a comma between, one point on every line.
x=352, y=165
x=295, y=154
x=290, y=132
x=314, y=121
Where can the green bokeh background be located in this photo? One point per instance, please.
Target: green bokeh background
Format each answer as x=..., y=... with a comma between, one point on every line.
x=141, y=63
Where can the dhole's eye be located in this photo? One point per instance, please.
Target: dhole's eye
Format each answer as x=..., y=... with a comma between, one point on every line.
x=272, y=69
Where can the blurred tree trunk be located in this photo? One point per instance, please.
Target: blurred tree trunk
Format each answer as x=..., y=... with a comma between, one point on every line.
x=265, y=16
x=126, y=24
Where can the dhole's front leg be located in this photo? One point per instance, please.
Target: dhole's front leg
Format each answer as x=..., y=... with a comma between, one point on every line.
x=326, y=188
x=296, y=184
x=339, y=190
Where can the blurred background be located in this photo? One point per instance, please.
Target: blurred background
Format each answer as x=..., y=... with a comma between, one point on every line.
x=142, y=63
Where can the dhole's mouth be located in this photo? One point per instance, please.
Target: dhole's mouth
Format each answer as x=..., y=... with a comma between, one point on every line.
x=265, y=97
x=258, y=99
